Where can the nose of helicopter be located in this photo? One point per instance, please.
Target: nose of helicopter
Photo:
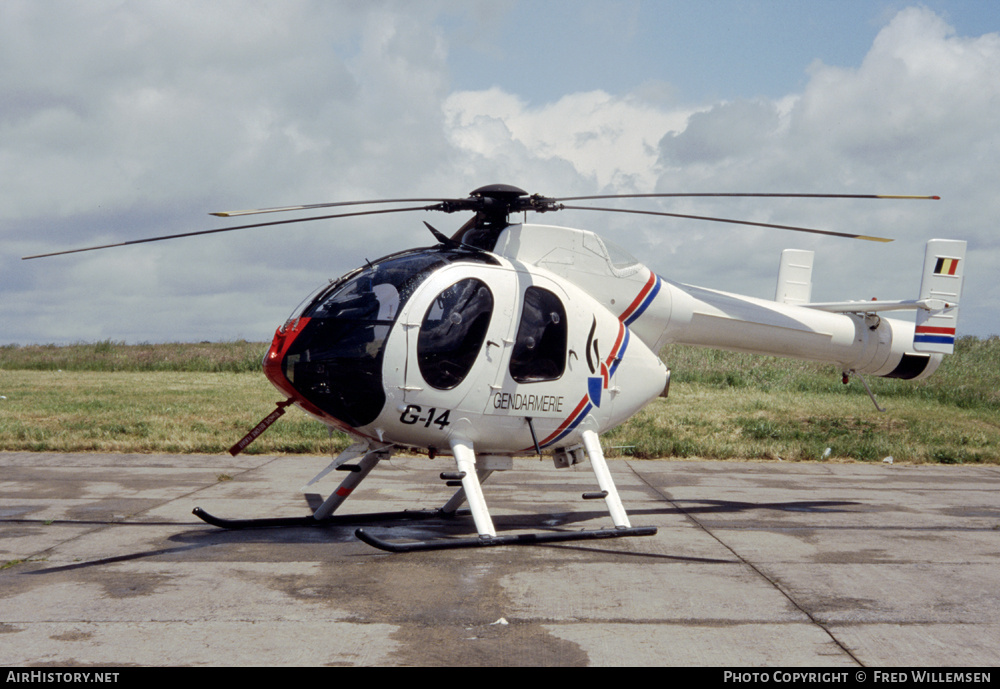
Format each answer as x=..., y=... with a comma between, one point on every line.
x=273, y=360
x=274, y=365
x=329, y=358
x=330, y=367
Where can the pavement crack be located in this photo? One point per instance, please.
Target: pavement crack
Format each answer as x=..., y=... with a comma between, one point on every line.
x=761, y=573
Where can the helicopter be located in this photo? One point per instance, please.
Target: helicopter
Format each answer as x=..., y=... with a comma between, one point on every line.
x=512, y=339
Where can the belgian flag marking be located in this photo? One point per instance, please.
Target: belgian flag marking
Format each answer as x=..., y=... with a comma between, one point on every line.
x=946, y=266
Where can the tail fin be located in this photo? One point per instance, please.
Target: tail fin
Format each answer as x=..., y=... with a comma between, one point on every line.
x=794, y=277
x=944, y=266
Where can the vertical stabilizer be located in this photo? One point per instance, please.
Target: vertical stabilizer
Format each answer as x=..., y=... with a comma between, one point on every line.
x=944, y=266
x=794, y=277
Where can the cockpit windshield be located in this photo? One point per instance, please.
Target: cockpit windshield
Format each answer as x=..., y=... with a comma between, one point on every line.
x=377, y=291
x=336, y=362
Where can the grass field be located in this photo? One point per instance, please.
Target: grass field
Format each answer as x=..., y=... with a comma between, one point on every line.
x=201, y=398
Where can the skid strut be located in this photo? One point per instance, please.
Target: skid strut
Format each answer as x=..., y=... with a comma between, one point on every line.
x=470, y=478
x=472, y=492
x=323, y=516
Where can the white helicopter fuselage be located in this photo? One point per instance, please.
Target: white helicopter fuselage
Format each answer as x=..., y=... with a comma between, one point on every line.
x=597, y=388
x=517, y=393
x=553, y=333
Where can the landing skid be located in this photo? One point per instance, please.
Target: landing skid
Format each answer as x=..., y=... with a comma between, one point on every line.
x=373, y=518
x=515, y=539
x=311, y=520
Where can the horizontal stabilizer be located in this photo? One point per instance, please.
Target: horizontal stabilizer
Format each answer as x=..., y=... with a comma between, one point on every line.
x=876, y=306
x=937, y=305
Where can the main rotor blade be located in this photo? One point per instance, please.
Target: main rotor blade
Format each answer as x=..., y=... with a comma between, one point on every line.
x=749, y=195
x=313, y=206
x=734, y=222
x=226, y=229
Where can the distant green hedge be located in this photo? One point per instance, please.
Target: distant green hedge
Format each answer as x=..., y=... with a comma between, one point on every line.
x=215, y=357
x=968, y=379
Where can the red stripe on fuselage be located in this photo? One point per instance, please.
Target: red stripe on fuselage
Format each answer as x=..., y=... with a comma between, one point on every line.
x=586, y=398
x=618, y=343
x=572, y=416
x=638, y=300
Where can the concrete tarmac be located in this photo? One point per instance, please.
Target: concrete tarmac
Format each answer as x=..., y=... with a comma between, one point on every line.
x=755, y=564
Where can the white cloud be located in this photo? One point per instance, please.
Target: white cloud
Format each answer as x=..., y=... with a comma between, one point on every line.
x=609, y=141
x=918, y=116
x=125, y=120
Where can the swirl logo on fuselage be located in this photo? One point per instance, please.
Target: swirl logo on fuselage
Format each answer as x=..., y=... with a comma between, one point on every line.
x=598, y=381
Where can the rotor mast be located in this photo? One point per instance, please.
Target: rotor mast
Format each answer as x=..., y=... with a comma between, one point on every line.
x=493, y=205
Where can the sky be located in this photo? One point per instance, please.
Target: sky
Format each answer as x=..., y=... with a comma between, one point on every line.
x=121, y=120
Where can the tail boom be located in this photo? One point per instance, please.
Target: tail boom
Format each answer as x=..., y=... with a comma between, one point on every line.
x=857, y=342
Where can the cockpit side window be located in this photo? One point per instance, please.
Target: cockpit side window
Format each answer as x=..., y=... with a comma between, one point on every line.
x=539, y=352
x=452, y=333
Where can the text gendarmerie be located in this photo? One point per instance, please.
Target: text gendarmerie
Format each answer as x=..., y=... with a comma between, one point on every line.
x=528, y=403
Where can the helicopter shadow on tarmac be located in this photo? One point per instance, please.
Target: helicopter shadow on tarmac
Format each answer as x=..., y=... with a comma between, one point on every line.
x=426, y=523
x=461, y=524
